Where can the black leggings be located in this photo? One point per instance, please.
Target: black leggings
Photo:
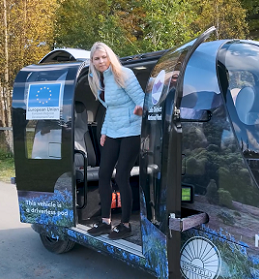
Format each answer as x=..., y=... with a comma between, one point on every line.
x=124, y=152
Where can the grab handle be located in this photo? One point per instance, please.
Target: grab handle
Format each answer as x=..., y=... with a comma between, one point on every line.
x=85, y=177
x=184, y=224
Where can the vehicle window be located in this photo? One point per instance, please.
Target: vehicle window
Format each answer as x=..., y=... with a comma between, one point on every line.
x=241, y=62
x=44, y=105
x=43, y=139
x=200, y=91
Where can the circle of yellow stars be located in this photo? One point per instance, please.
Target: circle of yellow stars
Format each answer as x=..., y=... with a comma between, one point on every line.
x=45, y=101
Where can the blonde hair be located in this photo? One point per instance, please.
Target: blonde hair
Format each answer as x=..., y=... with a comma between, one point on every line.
x=116, y=68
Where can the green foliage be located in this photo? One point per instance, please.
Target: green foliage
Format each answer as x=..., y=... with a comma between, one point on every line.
x=252, y=17
x=138, y=26
x=196, y=166
x=79, y=24
x=167, y=23
x=212, y=192
x=129, y=27
x=5, y=155
x=225, y=198
x=29, y=34
x=6, y=166
x=212, y=164
x=29, y=142
x=227, y=16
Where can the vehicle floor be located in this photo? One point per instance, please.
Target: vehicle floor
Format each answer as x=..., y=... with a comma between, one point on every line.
x=116, y=218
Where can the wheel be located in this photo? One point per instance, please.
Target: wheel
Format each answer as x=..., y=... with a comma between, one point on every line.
x=56, y=246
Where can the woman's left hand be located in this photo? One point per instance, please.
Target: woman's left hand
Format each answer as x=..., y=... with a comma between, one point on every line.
x=138, y=110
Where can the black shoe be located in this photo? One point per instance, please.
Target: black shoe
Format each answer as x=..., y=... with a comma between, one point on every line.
x=120, y=231
x=100, y=228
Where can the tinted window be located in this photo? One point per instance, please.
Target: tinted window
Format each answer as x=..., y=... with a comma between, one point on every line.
x=44, y=102
x=241, y=62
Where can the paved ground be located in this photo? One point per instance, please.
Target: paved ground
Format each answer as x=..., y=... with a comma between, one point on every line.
x=22, y=256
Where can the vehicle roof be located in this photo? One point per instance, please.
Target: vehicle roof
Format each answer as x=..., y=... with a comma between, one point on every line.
x=73, y=55
x=66, y=54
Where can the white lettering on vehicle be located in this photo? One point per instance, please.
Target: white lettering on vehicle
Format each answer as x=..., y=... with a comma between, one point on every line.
x=257, y=240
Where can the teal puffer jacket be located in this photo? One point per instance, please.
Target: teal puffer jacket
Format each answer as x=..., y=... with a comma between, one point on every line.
x=120, y=102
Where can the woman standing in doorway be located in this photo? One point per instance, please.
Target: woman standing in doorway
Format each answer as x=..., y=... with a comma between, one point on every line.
x=119, y=91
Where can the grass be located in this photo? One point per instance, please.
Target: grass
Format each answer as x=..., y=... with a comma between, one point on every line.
x=6, y=167
x=29, y=142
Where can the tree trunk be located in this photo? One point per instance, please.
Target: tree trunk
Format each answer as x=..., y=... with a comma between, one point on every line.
x=2, y=106
x=217, y=19
x=6, y=98
x=6, y=92
x=3, y=85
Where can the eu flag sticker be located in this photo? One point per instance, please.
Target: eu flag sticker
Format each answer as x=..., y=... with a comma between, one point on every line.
x=43, y=101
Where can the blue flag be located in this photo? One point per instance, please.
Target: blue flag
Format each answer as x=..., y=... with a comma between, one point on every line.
x=44, y=95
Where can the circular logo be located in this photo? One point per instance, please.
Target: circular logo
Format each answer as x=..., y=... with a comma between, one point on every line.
x=200, y=259
x=158, y=87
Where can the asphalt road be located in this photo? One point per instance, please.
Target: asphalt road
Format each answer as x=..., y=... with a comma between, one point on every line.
x=22, y=256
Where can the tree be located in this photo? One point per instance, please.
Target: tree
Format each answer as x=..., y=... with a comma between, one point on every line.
x=227, y=16
x=252, y=17
x=129, y=27
x=79, y=24
x=167, y=23
x=138, y=26
x=26, y=36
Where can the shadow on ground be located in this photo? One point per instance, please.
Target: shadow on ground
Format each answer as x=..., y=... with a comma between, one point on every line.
x=23, y=256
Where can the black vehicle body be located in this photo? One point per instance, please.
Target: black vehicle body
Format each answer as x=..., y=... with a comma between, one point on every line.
x=195, y=188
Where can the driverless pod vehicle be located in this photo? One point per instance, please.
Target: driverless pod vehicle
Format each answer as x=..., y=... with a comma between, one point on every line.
x=195, y=185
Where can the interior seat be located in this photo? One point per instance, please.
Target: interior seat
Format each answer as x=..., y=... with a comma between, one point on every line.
x=247, y=105
x=84, y=143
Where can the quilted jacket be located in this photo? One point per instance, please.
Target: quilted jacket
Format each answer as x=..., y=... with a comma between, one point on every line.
x=120, y=102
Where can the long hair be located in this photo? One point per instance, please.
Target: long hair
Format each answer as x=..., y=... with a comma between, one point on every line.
x=116, y=68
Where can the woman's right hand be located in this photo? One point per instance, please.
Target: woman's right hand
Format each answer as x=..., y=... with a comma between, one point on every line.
x=102, y=140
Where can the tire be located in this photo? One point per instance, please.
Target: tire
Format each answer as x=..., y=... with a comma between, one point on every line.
x=56, y=246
